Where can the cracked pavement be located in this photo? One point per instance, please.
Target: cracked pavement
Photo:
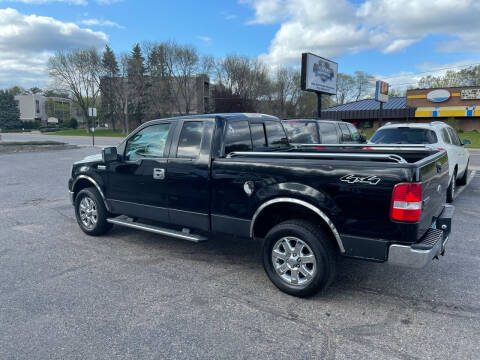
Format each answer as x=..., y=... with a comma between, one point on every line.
x=137, y=295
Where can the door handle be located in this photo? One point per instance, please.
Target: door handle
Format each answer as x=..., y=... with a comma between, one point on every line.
x=158, y=173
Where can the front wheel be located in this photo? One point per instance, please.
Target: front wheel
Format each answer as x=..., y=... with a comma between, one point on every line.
x=91, y=213
x=299, y=258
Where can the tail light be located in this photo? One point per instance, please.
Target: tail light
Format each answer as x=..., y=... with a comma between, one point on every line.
x=319, y=147
x=406, y=202
x=367, y=148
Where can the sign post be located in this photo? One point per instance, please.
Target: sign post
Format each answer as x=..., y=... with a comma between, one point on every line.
x=92, y=112
x=319, y=75
x=381, y=95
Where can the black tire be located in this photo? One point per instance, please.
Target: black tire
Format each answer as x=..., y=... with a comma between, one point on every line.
x=320, y=244
x=101, y=225
x=464, y=178
x=451, y=188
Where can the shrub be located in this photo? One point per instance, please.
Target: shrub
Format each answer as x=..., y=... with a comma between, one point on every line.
x=72, y=123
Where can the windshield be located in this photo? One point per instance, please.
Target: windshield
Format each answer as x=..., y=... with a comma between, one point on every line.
x=404, y=136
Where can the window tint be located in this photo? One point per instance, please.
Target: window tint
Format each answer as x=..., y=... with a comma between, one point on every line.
x=190, y=139
x=328, y=133
x=346, y=136
x=454, y=137
x=354, y=131
x=301, y=132
x=148, y=142
x=258, y=135
x=404, y=136
x=276, y=136
x=445, y=136
x=238, y=137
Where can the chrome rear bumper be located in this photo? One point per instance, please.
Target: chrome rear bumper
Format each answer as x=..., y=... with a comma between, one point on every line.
x=430, y=246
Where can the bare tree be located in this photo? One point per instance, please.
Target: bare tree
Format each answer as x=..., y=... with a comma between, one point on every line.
x=346, y=88
x=78, y=72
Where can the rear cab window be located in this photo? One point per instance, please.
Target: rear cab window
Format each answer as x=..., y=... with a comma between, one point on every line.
x=404, y=135
x=302, y=132
x=237, y=136
x=276, y=136
x=189, y=143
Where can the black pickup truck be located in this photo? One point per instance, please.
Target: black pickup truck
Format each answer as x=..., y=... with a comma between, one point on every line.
x=189, y=177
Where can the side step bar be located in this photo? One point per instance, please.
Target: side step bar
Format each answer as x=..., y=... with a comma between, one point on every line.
x=123, y=221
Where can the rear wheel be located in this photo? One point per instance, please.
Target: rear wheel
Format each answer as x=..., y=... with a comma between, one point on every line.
x=463, y=179
x=91, y=213
x=299, y=258
x=451, y=187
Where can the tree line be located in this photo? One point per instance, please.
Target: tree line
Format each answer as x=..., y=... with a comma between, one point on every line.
x=157, y=80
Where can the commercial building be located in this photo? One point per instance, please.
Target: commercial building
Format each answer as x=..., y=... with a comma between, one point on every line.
x=459, y=106
x=47, y=110
x=367, y=113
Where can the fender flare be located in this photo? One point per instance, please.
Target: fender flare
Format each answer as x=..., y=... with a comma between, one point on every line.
x=94, y=183
x=309, y=206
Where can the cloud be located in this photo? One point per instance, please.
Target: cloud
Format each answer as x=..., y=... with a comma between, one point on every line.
x=96, y=22
x=26, y=42
x=405, y=79
x=334, y=28
x=206, y=39
x=108, y=2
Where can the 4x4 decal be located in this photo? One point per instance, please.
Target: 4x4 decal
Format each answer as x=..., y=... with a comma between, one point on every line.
x=352, y=179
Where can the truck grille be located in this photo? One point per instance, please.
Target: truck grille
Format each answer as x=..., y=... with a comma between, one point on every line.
x=429, y=239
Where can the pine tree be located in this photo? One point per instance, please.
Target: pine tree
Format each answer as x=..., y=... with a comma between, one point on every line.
x=9, y=111
x=109, y=62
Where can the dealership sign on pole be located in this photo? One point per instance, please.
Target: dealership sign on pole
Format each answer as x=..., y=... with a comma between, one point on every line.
x=320, y=76
x=381, y=91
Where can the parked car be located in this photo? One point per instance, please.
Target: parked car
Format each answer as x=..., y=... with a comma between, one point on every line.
x=194, y=176
x=437, y=135
x=310, y=131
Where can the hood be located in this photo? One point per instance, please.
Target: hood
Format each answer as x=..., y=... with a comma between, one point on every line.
x=90, y=159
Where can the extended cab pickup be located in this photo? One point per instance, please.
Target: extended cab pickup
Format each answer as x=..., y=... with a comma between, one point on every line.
x=189, y=177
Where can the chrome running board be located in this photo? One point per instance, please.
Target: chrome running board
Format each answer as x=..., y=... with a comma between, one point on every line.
x=124, y=221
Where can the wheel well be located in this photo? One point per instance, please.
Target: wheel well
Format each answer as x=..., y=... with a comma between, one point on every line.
x=276, y=213
x=81, y=184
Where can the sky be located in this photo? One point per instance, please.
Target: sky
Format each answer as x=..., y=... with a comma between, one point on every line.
x=395, y=40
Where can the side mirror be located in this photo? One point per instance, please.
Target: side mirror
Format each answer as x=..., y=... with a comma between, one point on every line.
x=109, y=154
x=466, y=142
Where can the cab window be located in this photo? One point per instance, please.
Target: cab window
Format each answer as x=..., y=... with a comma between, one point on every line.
x=148, y=143
x=346, y=136
x=301, y=132
x=455, y=139
x=328, y=133
x=259, y=139
x=276, y=136
x=445, y=136
x=354, y=131
x=190, y=139
x=237, y=137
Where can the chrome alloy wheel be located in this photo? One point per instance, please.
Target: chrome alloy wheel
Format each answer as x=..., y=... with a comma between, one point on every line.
x=293, y=260
x=88, y=212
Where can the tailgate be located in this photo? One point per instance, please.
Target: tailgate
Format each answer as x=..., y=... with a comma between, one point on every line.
x=433, y=173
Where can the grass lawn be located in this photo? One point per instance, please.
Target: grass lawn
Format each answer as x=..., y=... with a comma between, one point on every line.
x=473, y=136
x=83, y=132
x=47, y=142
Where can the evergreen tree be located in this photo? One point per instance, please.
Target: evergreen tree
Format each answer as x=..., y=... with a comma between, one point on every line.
x=109, y=62
x=9, y=111
x=137, y=85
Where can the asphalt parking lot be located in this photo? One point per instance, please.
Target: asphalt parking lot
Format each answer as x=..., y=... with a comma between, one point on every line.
x=137, y=295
